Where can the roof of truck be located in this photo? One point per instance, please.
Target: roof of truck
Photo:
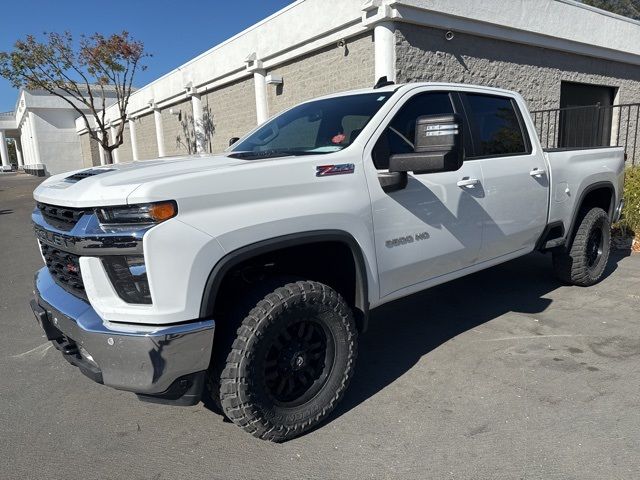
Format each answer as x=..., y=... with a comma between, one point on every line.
x=410, y=85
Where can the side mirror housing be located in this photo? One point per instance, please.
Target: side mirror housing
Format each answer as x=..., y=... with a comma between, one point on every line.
x=233, y=140
x=438, y=146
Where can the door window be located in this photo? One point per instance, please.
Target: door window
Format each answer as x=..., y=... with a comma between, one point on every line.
x=399, y=135
x=495, y=125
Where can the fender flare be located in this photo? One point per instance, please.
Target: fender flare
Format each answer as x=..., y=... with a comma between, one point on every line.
x=235, y=257
x=578, y=206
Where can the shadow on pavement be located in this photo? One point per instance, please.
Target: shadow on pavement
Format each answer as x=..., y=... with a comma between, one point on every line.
x=401, y=332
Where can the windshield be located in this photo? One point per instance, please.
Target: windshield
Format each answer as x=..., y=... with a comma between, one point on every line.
x=318, y=127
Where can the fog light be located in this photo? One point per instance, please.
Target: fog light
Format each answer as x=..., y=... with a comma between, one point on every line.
x=128, y=276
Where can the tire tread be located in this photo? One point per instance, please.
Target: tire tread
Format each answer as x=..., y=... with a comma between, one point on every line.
x=233, y=385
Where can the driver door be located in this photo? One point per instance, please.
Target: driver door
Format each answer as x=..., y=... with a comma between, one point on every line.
x=433, y=226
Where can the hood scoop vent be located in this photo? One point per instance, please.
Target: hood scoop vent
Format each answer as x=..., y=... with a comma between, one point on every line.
x=76, y=177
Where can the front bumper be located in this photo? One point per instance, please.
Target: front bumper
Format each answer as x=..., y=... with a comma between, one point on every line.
x=149, y=360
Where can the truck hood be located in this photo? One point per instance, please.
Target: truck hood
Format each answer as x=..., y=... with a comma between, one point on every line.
x=112, y=184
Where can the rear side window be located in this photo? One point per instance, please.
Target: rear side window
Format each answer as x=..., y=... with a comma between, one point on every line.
x=496, y=126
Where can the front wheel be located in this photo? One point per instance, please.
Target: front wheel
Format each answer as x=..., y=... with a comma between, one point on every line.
x=291, y=361
x=584, y=263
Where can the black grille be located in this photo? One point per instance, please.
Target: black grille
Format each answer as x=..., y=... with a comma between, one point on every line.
x=65, y=269
x=62, y=218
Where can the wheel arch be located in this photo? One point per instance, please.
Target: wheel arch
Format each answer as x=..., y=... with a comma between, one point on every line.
x=243, y=254
x=593, y=194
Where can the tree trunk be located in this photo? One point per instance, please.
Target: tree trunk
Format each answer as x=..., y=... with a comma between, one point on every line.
x=108, y=156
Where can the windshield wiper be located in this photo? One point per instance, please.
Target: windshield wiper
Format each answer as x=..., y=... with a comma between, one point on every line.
x=269, y=154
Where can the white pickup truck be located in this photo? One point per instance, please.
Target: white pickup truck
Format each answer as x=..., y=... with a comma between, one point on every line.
x=282, y=244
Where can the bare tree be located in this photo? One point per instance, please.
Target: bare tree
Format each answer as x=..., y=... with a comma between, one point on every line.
x=193, y=135
x=81, y=73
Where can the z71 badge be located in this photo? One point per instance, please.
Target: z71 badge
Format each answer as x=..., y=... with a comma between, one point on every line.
x=328, y=170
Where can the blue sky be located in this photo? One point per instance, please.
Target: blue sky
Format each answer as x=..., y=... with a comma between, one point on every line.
x=173, y=31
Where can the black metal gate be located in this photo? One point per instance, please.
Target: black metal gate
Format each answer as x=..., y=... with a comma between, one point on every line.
x=590, y=126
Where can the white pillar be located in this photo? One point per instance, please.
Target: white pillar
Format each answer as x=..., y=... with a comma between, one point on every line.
x=198, y=123
x=157, y=116
x=4, y=152
x=114, y=153
x=134, y=140
x=262, y=109
x=24, y=140
x=103, y=157
x=34, y=138
x=385, y=51
x=18, y=145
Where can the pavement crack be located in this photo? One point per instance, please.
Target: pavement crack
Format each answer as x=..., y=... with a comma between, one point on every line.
x=40, y=351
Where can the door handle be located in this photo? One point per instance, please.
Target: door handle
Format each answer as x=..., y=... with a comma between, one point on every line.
x=468, y=182
x=536, y=172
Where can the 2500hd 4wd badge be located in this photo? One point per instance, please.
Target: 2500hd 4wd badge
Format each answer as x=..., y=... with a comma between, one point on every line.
x=397, y=242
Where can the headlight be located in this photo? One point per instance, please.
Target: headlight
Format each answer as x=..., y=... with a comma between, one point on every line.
x=141, y=214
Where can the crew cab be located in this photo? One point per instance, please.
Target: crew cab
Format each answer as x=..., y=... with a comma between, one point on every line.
x=246, y=277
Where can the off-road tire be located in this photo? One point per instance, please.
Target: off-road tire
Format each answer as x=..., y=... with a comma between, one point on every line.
x=245, y=396
x=575, y=265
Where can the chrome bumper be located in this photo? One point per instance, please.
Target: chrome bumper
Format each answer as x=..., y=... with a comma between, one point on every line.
x=148, y=360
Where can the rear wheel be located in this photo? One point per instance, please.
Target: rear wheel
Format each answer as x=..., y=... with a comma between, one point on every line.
x=584, y=263
x=291, y=361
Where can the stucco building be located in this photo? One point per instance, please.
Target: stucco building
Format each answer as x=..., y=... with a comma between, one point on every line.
x=554, y=52
x=43, y=128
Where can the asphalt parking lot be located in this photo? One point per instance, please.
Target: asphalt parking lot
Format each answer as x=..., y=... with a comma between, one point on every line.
x=501, y=375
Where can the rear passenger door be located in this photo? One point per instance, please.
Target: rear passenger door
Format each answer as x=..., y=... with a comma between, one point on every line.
x=514, y=173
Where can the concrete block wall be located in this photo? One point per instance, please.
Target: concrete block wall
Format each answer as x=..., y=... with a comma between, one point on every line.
x=229, y=111
x=146, y=137
x=178, y=129
x=423, y=54
x=90, y=151
x=125, y=153
x=326, y=71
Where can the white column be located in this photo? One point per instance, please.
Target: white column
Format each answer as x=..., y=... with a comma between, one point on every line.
x=262, y=109
x=134, y=140
x=114, y=153
x=34, y=138
x=27, y=143
x=4, y=152
x=157, y=116
x=18, y=145
x=385, y=51
x=103, y=157
x=198, y=123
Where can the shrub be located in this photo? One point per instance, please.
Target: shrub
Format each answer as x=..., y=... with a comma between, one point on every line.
x=631, y=212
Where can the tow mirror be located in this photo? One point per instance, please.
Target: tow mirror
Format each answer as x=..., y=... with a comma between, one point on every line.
x=233, y=140
x=438, y=146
